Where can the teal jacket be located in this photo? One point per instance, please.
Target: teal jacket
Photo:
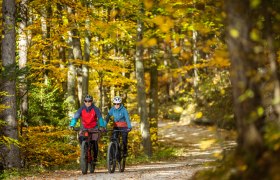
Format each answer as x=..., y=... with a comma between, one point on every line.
x=120, y=115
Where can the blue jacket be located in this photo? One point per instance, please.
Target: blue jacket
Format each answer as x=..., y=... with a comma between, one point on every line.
x=86, y=112
x=120, y=115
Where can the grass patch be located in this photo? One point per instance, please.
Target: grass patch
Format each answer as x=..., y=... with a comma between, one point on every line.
x=22, y=172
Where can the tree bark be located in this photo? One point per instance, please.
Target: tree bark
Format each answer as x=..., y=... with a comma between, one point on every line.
x=77, y=52
x=71, y=77
x=141, y=95
x=245, y=76
x=154, y=97
x=45, y=23
x=61, y=48
x=272, y=57
x=10, y=154
x=23, y=46
x=85, y=67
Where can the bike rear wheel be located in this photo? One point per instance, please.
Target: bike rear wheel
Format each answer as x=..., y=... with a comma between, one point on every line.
x=91, y=163
x=83, y=158
x=121, y=161
x=111, y=157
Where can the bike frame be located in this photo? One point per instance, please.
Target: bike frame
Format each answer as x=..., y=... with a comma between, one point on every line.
x=87, y=134
x=87, y=151
x=117, y=156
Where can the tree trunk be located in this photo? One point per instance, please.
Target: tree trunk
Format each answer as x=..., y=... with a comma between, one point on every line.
x=195, y=60
x=85, y=67
x=246, y=80
x=272, y=57
x=141, y=95
x=154, y=97
x=61, y=49
x=10, y=153
x=45, y=23
x=77, y=52
x=22, y=45
x=71, y=80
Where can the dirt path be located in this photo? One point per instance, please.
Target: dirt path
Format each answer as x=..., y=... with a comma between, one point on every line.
x=199, y=145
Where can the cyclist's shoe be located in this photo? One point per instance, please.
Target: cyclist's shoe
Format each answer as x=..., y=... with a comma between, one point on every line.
x=124, y=154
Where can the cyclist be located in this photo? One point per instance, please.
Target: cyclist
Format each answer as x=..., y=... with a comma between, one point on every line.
x=90, y=118
x=121, y=120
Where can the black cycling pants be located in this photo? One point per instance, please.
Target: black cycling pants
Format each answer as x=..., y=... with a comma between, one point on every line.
x=124, y=137
x=95, y=146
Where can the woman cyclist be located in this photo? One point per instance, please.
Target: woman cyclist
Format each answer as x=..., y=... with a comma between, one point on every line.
x=121, y=121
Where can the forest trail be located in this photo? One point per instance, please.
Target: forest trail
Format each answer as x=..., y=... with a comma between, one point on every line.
x=199, y=145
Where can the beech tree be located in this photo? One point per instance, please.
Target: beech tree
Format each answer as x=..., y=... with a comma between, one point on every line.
x=22, y=51
x=10, y=152
x=141, y=94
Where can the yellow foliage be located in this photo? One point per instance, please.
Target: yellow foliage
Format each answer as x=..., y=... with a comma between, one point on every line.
x=206, y=144
x=198, y=115
x=219, y=60
x=178, y=109
x=164, y=23
x=48, y=146
x=152, y=42
x=234, y=33
x=255, y=34
x=113, y=13
x=148, y=4
x=176, y=50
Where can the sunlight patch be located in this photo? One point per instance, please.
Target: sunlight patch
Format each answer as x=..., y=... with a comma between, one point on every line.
x=206, y=144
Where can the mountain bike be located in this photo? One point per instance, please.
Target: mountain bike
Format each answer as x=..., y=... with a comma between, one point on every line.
x=88, y=139
x=115, y=153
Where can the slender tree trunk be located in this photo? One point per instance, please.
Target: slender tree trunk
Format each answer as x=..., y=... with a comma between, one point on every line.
x=45, y=23
x=195, y=55
x=10, y=154
x=86, y=59
x=62, y=48
x=100, y=75
x=195, y=59
x=154, y=97
x=141, y=95
x=22, y=45
x=71, y=78
x=77, y=52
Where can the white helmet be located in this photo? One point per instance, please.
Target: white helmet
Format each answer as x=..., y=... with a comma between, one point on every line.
x=117, y=99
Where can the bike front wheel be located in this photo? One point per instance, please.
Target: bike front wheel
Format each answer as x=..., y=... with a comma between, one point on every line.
x=111, y=157
x=83, y=159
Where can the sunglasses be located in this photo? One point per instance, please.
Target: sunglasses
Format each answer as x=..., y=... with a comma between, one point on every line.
x=116, y=103
x=88, y=101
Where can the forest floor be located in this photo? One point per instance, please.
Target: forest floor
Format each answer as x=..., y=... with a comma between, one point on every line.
x=199, y=146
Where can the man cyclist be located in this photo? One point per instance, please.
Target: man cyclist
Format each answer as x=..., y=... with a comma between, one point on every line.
x=91, y=117
x=121, y=121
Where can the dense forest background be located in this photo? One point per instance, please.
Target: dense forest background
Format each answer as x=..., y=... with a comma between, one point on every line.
x=204, y=61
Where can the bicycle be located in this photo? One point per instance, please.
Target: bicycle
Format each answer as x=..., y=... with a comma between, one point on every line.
x=88, y=136
x=115, y=153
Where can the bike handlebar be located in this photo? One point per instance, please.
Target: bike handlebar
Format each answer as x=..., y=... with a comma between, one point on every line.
x=84, y=129
x=117, y=130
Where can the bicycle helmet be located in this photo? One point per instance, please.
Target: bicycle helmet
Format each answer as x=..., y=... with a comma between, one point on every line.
x=88, y=98
x=117, y=99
